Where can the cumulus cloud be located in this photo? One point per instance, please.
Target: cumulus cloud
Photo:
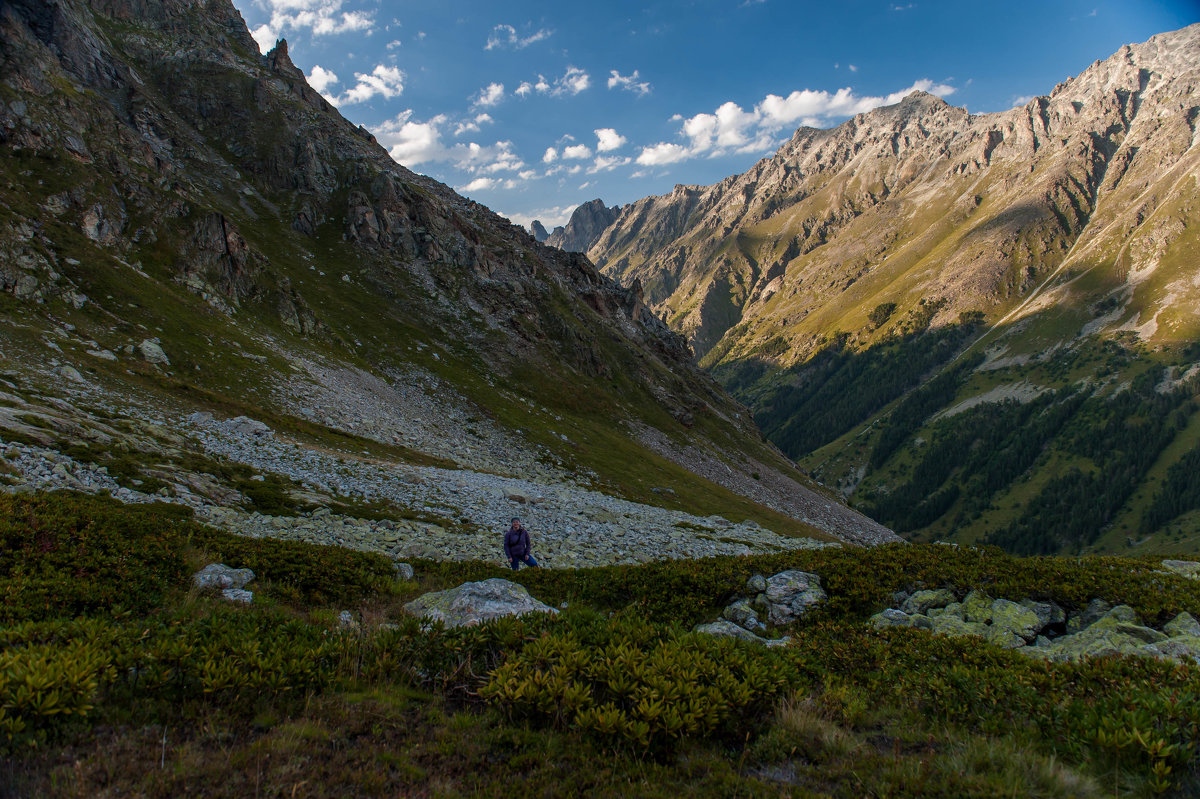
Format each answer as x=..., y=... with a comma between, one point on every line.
x=574, y=81
x=480, y=184
x=607, y=163
x=576, y=151
x=608, y=139
x=383, y=81
x=410, y=143
x=550, y=156
x=321, y=17
x=321, y=79
x=629, y=83
x=732, y=129
x=489, y=96
x=472, y=125
x=506, y=36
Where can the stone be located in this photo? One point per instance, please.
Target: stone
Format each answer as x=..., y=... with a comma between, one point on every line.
x=977, y=607
x=1009, y=618
x=1003, y=637
x=71, y=373
x=1184, y=568
x=346, y=619
x=404, y=571
x=1095, y=610
x=789, y=594
x=1048, y=613
x=237, y=595
x=1184, y=648
x=248, y=427
x=756, y=584
x=1122, y=620
x=952, y=625
x=922, y=601
x=152, y=352
x=743, y=615
x=1183, y=624
x=218, y=575
x=892, y=617
x=474, y=603
x=727, y=629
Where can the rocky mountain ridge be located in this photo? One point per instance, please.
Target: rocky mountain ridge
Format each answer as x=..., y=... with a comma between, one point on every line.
x=190, y=228
x=834, y=277
x=586, y=224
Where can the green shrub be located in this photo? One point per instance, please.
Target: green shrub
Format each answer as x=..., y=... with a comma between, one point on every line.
x=638, y=685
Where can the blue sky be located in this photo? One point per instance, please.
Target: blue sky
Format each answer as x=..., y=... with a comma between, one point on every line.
x=532, y=107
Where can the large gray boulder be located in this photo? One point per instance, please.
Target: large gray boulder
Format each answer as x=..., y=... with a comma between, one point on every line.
x=220, y=576
x=790, y=594
x=924, y=601
x=473, y=603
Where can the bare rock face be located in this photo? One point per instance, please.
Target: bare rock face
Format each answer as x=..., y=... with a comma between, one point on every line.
x=539, y=231
x=586, y=224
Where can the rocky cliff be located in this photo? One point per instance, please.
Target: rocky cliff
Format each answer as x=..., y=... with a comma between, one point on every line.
x=833, y=277
x=189, y=228
x=586, y=224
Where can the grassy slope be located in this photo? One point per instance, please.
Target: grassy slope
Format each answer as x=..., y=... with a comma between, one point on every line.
x=275, y=700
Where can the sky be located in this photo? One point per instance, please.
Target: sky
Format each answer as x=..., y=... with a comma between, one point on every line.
x=532, y=108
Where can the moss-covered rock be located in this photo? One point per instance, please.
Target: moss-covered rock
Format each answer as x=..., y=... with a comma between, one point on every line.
x=924, y=601
x=1010, y=619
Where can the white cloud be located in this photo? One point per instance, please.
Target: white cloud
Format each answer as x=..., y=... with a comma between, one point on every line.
x=392, y=45
x=629, y=83
x=524, y=89
x=321, y=79
x=550, y=156
x=506, y=36
x=480, y=184
x=573, y=81
x=608, y=139
x=321, y=17
x=607, y=163
x=411, y=143
x=383, y=81
x=732, y=129
x=489, y=96
x=577, y=151
x=1022, y=100
x=472, y=125
x=852, y=68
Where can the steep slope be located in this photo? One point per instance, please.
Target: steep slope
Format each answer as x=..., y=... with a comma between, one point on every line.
x=188, y=225
x=835, y=276
x=586, y=224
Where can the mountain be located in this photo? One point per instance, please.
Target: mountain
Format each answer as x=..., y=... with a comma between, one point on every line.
x=1020, y=263
x=539, y=231
x=586, y=224
x=191, y=233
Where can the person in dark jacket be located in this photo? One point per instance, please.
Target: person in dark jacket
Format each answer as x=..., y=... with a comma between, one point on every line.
x=517, y=549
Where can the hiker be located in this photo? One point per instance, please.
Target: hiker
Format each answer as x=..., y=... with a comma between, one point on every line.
x=516, y=546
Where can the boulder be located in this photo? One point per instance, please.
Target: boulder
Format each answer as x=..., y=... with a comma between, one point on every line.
x=952, y=625
x=1123, y=620
x=404, y=571
x=1184, y=648
x=977, y=607
x=1184, y=568
x=727, y=629
x=247, y=426
x=152, y=352
x=218, y=575
x=1009, y=619
x=1048, y=613
x=756, y=584
x=743, y=615
x=1095, y=610
x=238, y=595
x=1183, y=624
x=790, y=594
x=923, y=601
x=473, y=603
x=892, y=617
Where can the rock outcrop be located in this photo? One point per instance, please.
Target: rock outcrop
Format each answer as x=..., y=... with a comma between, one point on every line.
x=473, y=603
x=585, y=226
